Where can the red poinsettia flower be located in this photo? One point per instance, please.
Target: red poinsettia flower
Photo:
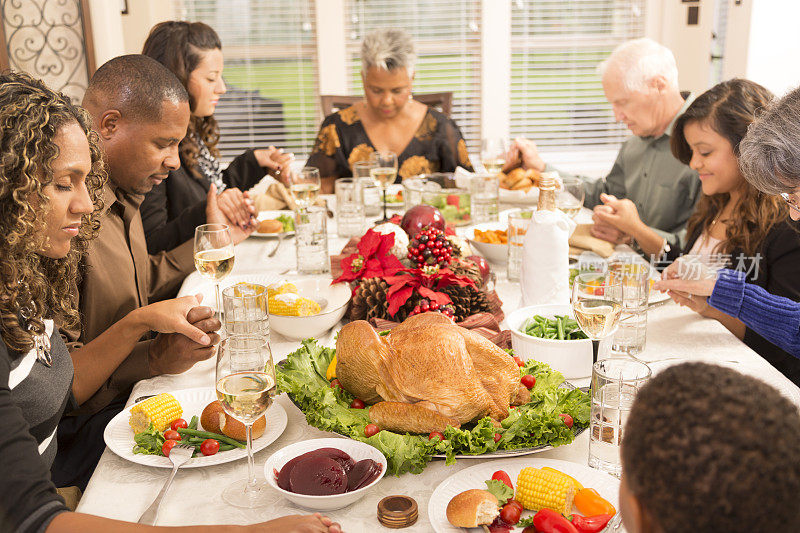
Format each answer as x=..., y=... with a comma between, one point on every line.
x=427, y=285
x=374, y=258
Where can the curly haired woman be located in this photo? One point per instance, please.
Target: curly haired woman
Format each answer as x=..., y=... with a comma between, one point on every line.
x=51, y=176
x=172, y=210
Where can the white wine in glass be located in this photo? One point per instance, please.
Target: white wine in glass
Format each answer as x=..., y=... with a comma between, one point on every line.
x=305, y=187
x=597, y=305
x=570, y=196
x=383, y=173
x=245, y=387
x=493, y=154
x=213, y=254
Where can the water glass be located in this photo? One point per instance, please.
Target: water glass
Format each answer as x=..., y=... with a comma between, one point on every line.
x=246, y=309
x=311, y=240
x=369, y=190
x=634, y=277
x=484, y=192
x=517, y=227
x=615, y=383
x=349, y=208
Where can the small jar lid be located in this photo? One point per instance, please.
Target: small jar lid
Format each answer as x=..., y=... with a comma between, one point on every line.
x=397, y=511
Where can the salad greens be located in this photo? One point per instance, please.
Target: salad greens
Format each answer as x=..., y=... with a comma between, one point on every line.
x=499, y=490
x=560, y=327
x=287, y=221
x=536, y=423
x=148, y=442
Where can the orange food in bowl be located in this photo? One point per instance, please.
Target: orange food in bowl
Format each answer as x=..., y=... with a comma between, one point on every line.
x=492, y=236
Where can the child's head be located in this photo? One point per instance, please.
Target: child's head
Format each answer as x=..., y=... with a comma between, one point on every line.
x=707, y=449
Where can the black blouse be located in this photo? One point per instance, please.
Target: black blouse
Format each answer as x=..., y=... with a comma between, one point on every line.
x=437, y=146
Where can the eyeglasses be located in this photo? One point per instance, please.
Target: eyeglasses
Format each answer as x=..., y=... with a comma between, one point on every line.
x=791, y=202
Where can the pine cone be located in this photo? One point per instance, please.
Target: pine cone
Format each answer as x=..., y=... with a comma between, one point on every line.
x=468, y=269
x=466, y=300
x=369, y=300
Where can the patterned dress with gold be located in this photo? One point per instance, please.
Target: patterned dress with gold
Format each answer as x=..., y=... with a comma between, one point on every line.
x=437, y=146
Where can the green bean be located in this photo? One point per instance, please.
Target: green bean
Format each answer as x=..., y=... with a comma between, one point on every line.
x=560, y=323
x=209, y=435
x=193, y=423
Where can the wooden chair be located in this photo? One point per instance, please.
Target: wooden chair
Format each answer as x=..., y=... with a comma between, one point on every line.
x=442, y=101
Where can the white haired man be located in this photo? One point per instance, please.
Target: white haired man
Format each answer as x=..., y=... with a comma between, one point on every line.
x=640, y=81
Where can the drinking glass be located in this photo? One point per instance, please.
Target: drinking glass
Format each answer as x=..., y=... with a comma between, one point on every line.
x=384, y=173
x=615, y=383
x=246, y=309
x=245, y=387
x=634, y=277
x=305, y=186
x=518, y=222
x=570, y=196
x=597, y=304
x=484, y=192
x=349, y=207
x=372, y=196
x=493, y=154
x=213, y=254
x=311, y=240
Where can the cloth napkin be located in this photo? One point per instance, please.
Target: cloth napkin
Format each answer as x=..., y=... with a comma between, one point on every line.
x=544, y=274
x=275, y=198
x=582, y=239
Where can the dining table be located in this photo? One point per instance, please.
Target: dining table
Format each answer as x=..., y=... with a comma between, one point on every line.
x=122, y=489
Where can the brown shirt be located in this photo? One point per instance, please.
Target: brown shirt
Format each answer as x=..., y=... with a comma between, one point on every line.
x=118, y=277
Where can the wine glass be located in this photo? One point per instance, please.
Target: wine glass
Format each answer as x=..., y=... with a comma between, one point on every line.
x=213, y=254
x=245, y=387
x=597, y=304
x=493, y=154
x=570, y=195
x=383, y=173
x=305, y=186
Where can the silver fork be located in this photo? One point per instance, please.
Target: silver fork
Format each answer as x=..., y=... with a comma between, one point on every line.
x=274, y=250
x=179, y=454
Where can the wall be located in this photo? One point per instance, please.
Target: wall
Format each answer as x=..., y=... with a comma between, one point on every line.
x=775, y=45
x=143, y=15
x=106, y=29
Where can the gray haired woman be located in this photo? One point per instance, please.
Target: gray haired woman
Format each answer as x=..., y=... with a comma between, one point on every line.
x=770, y=161
x=388, y=118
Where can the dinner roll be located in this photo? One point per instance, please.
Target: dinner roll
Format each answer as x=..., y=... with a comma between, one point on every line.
x=216, y=420
x=472, y=508
x=270, y=226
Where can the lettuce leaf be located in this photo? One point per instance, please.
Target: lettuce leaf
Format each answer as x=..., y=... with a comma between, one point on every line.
x=536, y=423
x=500, y=490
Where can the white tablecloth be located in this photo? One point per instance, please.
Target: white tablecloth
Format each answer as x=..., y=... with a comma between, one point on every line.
x=123, y=490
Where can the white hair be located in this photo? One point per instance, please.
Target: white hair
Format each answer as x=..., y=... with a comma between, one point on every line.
x=388, y=49
x=639, y=61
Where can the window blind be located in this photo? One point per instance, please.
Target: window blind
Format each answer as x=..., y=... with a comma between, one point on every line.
x=447, y=40
x=556, y=95
x=270, y=70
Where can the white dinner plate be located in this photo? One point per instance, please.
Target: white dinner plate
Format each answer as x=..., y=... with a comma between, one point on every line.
x=119, y=435
x=529, y=197
x=474, y=477
x=391, y=192
x=267, y=215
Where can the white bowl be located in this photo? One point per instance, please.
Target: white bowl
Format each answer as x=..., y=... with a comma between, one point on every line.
x=336, y=297
x=494, y=253
x=572, y=358
x=357, y=450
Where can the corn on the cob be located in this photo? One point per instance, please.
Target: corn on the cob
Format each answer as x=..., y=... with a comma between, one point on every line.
x=575, y=482
x=290, y=304
x=281, y=287
x=159, y=410
x=545, y=489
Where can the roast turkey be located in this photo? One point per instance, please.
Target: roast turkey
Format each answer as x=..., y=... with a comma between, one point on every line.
x=426, y=374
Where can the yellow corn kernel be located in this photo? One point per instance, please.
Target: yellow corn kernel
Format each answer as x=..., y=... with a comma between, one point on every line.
x=159, y=410
x=281, y=287
x=290, y=304
x=575, y=482
x=545, y=489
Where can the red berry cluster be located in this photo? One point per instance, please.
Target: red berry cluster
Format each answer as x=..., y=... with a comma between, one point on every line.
x=425, y=306
x=430, y=247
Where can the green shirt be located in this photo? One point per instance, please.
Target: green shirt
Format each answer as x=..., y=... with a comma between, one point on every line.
x=664, y=189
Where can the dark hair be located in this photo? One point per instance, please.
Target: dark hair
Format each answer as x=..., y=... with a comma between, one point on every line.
x=136, y=85
x=729, y=108
x=179, y=46
x=707, y=449
x=33, y=285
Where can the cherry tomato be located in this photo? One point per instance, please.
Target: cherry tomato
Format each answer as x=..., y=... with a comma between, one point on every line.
x=515, y=502
x=209, y=447
x=497, y=437
x=435, y=434
x=178, y=423
x=167, y=446
x=567, y=419
x=335, y=383
x=529, y=381
x=502, y=476
x=510, y=514
x=519, y=361
x=371, y=430
x=357, y=404
x=171, y=434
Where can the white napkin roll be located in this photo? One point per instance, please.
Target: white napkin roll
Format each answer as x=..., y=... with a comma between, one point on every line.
x=544, y=274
